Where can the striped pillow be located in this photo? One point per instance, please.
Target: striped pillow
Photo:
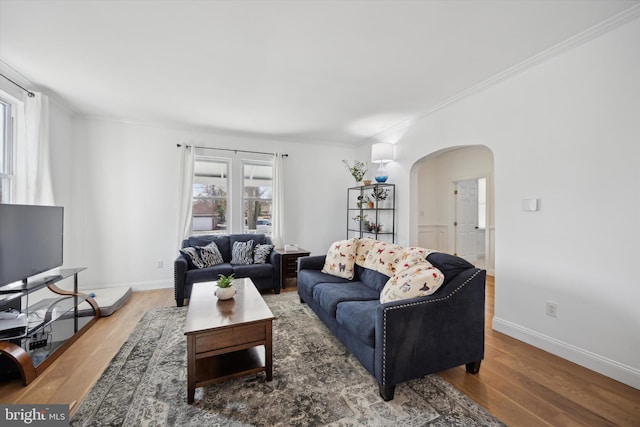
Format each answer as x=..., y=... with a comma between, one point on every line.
x=210, y=254
x=261, y=254
x=242, y=252
x=192, y=257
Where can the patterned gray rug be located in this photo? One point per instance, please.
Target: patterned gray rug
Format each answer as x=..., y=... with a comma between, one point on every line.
x=316, y=381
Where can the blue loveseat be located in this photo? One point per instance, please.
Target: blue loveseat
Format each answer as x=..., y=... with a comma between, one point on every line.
x=265, y=276
x=405, y=339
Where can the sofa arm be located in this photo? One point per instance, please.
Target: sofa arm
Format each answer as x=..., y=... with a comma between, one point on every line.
x=315, y=262
x=275, y=258
x=180, y=267
x=421, y=336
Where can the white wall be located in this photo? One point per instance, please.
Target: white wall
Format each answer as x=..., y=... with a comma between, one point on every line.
x=122, y=196
x=567, y=132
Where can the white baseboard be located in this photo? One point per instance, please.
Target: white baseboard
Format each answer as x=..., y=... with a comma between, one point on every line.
x=154, y=284
x=136, y=286
x=610, y=368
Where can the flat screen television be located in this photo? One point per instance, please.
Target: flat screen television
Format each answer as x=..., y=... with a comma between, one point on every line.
x=30, y=240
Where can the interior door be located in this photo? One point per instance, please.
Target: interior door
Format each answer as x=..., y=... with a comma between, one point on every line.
x=466, y=222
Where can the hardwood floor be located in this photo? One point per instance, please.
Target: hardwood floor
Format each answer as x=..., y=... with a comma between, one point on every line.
x=520, y=384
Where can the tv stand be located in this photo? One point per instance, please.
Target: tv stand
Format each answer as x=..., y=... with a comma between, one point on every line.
x=53, y=322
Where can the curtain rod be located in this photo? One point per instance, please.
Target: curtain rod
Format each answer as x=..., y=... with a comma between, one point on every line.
x=229, y=149
x=29, y=93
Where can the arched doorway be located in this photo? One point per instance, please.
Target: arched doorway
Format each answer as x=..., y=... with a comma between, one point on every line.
x=460, y=223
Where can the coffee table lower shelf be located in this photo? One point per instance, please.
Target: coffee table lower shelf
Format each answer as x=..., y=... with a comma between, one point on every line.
x=222, y=367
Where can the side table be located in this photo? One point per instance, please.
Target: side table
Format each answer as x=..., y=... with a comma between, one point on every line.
x=289, y=263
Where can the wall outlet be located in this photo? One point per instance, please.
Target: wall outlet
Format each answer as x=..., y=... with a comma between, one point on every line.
x=159, y=263
x=551, y=308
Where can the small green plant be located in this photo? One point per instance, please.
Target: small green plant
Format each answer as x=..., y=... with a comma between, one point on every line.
x=363, y=199
x=358, y=170
x=380, y=193
x=225, y=281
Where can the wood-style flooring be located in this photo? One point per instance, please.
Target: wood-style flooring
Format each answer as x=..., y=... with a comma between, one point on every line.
x=518, y=383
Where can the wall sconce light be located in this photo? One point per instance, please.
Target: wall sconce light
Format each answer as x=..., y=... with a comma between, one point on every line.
x=382, y=152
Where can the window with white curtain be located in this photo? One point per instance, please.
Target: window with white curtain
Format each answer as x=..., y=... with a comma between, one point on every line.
x=210, y=196
x=232, y=192
x=7, y=148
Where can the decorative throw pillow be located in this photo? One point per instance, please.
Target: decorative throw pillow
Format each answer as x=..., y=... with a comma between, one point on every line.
x=261, y=253
x=192, y=257
x=384, y=257
x=420, y=280
x=363, y=248
x=341, y=258
x=242, y=252
x=412, y=256
x=210, y=254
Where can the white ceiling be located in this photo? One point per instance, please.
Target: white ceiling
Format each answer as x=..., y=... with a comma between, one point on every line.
x=304, y=71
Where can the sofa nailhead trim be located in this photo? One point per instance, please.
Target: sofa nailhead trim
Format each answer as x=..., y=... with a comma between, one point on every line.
x=384, y=322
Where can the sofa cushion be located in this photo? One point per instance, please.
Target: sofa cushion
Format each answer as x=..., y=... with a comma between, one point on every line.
x=193, y=258
x=308, y=279
x=261, y=253
x=221, y=241
x=418, y=281
x=371, y=278
x=208, y=274
x=242, y=252
x=359, y=318
x=210, y=254
x=329, y=295
x=341, y=258
x=253, y=270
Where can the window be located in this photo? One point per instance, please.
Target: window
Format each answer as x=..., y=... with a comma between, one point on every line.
x=257, y=196
x=210, y=196
x=7, y=144
x=232, y=193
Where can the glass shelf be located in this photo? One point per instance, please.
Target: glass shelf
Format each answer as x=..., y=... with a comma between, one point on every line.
x=382, y=213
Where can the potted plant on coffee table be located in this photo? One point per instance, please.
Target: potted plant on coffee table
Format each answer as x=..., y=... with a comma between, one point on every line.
x=224, y=287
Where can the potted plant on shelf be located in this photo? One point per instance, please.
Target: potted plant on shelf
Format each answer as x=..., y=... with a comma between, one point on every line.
x=362, y=221
x=224, y=287
x=375, y=228
x=357, y=170
x=380, y=194
x=366, y=200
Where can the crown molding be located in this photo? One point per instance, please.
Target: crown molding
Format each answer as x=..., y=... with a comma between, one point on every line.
x=591, y=33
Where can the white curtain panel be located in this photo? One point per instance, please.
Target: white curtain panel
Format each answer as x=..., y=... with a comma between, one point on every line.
x=277, y=223
x=185, y=198
x=33, y=165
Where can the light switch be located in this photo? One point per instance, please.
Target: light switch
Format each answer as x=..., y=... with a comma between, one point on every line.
x=530, y=205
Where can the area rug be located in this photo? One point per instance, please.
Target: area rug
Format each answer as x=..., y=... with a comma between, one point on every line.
x=316, y=381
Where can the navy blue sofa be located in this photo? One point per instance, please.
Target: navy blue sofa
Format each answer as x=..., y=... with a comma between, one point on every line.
x=264, y=276
x=401, y=340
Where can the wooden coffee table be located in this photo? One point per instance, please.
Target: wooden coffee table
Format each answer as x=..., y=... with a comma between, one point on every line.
x=227, y=339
